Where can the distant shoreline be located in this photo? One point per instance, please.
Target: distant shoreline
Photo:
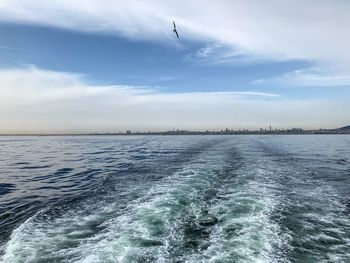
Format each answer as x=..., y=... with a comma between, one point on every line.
x=191, y=133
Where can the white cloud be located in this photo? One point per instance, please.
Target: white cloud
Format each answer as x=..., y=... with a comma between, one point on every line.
x=315, y=30
x=35, y=100
x=312, y=77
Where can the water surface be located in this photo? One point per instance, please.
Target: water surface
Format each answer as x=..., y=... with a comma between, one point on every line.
x=175, y=199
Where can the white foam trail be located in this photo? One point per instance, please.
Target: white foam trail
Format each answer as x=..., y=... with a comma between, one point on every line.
x=216, y=208
x=246, y=232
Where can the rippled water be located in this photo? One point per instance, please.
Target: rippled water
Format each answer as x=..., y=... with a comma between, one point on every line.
x=175, y=199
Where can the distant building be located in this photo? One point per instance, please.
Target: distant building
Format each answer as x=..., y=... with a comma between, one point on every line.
x=128, y=132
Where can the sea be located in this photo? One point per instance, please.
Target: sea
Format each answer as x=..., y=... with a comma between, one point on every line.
x=215, y=198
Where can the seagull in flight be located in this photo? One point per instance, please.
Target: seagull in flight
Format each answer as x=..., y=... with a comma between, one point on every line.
x=175, y=31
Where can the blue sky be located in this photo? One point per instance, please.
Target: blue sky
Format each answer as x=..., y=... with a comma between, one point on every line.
x=234, y=54
x=110, y=59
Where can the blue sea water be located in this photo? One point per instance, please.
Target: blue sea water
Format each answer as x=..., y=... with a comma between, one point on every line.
x=175, y=199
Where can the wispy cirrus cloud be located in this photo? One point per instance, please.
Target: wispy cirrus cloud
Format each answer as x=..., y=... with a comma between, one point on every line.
x=308, y=78
x=36, y=100
x=315, y=30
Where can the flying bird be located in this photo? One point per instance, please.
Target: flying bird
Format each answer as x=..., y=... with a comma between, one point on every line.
x=175, y=31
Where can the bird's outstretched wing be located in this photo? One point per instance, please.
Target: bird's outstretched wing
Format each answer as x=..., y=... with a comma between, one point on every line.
x=176, y=33
x=174, y=25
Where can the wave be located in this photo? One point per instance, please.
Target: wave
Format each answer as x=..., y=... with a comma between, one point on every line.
x=219, y=201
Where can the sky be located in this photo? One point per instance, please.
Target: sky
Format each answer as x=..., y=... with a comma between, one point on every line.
x=111, y=66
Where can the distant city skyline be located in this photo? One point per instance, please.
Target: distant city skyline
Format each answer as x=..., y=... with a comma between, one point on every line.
x=174, y=131
x=106, y=66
